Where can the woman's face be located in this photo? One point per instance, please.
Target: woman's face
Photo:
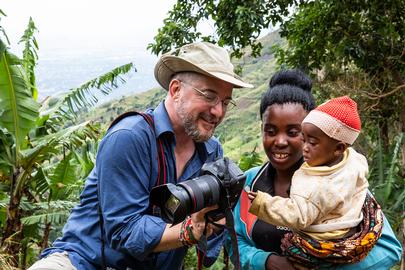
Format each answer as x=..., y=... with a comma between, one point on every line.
x=281, y=134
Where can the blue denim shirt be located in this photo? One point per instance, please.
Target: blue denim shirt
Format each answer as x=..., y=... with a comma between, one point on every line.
x=126, y=170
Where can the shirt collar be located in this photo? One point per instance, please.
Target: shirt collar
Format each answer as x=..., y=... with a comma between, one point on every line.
x=162, y=120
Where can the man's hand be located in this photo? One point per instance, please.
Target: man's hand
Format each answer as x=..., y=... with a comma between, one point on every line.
x=198, y=222
x=170, y=238
x=275, y=262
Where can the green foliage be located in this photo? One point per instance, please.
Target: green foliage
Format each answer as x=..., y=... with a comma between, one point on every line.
x=55, y=212
x=356, y=45
x=369, y=34
x=30, y=56
x=64, y=174
x=105, y=113
x=357, y=48
x=191, y=261
x=83, y=97
x=238, y=24
x=249, y=160
x=2, y=31
x=393, y=170
x=19, y=110
x=351, y=47
x=45, y=153
x=387, y=184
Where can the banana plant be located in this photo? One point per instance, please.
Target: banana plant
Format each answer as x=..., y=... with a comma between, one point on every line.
x=44, y=153
x=386, y=181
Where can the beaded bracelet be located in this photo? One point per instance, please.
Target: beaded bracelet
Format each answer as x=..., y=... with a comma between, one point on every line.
x=182, y=238
x=190, y=234
x=186, y=236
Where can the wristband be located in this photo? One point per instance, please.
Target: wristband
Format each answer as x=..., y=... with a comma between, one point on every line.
x=186, y=236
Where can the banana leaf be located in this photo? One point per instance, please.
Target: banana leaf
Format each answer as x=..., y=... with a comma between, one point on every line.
x=18, y=109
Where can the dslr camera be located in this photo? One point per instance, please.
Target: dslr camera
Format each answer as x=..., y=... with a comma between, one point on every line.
x=220, y=182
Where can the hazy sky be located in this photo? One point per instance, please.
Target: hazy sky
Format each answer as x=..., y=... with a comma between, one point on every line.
x=82, y=39
x=86, y=23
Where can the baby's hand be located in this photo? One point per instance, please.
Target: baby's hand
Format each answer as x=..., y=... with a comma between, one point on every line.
x=252, y=195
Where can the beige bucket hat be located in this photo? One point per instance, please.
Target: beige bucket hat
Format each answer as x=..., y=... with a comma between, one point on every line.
x=201, y=57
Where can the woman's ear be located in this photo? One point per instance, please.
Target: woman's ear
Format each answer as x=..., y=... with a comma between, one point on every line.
x=340, y=148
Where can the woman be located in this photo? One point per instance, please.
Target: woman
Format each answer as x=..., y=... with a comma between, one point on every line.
x=282, y=109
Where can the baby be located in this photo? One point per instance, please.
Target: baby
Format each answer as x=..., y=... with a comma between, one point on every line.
x=328, y=191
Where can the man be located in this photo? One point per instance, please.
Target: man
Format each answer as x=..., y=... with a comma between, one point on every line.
x=199, y=79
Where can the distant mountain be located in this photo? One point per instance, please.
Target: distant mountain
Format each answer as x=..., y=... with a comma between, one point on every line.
x=240, y=132
x=60, y=70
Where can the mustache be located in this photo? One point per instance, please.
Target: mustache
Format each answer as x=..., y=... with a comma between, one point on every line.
x=210, y=118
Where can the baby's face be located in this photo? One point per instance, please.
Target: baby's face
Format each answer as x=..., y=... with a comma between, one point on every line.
x=318, y=148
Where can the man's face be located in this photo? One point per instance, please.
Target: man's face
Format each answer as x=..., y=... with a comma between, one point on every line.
x=201, y=105
x=319, y=149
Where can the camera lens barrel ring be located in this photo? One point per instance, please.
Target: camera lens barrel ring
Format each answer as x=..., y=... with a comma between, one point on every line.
x=203, y=192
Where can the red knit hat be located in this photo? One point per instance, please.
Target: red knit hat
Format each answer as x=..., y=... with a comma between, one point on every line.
x=338, y=118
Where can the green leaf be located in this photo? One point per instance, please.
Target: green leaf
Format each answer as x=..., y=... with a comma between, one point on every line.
x=7, y=154
x=63, y=176
x=51, y=145
x=30, y=56
x=41, y=182
x=380, y=162
x=391, y=172
x=53, y=217
x=18, y=109
x=250, y=160
x=84, y=96
x=86, y=160
x=2, y=29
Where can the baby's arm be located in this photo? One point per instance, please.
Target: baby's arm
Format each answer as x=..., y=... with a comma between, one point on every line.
x=296, y=212
x=252, y=195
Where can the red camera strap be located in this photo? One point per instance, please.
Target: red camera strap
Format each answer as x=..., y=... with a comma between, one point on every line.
x=162, y=173
x=161, y=178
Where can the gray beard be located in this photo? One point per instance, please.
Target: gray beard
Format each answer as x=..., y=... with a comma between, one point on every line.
x=190, y=126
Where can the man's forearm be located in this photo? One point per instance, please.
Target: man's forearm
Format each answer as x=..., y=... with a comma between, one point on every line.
x=170, y=239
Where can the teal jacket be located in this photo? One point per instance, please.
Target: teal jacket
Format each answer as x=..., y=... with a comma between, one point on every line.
x=384, y=255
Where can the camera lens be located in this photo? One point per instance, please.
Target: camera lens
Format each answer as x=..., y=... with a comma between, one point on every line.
x=203, y=191
x=185, y=198
x=220, y=183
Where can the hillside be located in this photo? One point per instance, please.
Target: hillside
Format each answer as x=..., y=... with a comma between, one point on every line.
x=240, y=131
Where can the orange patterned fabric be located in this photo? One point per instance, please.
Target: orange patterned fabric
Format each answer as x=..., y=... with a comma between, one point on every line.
x=308, y=252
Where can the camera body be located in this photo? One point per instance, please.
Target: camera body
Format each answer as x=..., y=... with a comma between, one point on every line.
x=220, y=182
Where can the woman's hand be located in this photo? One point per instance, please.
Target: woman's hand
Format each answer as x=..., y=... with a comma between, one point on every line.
x=275, y=262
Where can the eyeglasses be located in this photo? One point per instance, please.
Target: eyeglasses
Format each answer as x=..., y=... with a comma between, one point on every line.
x=213, y=99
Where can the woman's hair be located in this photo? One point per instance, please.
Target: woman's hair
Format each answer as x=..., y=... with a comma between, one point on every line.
x=288, y=86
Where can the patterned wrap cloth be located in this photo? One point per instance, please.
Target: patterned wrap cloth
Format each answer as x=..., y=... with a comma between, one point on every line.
x=311, y=253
